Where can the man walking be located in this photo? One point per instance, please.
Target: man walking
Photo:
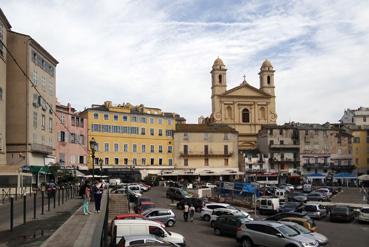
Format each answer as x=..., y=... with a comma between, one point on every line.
x=192, y=212
x=98, y=190
x=185, y=212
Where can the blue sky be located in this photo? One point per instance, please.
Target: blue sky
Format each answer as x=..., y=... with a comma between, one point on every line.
x=160, y=53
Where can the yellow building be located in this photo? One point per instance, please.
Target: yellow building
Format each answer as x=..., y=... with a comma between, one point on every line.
x=130, y=136
x=360, y=149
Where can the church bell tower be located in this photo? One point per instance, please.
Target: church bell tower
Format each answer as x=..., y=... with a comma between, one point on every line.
x=218, y=87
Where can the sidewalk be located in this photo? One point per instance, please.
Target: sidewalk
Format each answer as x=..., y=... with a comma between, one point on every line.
x=34, y=232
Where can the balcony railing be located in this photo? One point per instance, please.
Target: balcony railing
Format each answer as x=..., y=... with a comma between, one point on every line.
x=284, y=146
x=203, y=154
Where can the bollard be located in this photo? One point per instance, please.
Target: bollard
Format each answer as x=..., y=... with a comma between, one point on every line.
x=59, y=197
x=48, y=202
x=11, y=213
x=42, y=202
x=34, y=205
x=54, y=199
x=62, y=195
x=24, y=208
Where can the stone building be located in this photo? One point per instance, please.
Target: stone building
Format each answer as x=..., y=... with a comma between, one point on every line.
x=204, y=151
x=244, y=108
x=71, y=128
x=4, y=28
x=358, y=117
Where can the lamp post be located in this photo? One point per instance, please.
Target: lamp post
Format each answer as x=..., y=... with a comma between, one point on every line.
x=101, y=163
x=93, y=145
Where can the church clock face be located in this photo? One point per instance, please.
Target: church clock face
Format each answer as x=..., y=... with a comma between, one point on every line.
x=218, y=116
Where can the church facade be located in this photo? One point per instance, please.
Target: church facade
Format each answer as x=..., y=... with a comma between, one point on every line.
x=244, y=108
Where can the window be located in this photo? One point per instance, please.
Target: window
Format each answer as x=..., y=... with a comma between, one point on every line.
x=125, y=118
x=160, y=161
x=160, y=148
x=268, y=79
x=82, y=139
x=106, y=116
x=35, y=120
x=160, y=132
x=96, y=115
x=206, y=136
x=225, y=150
x=281, y=142
x=185, y=162
x=143, y=148
x=134, y=148
x=125, y=148
x=206, y=162
x=106, y=147
x=62, y=136
x=226, y=162
x=170, y=121
x=73, y=120
x=170, y=149
x=271, y=142
x=106, y=161
x=185, y=136
x=50, y=125
x=220, y=79
x=160, y=121
x=81, y=159
x=133, y=119
x=151, y=120
x=185, y=150
x=262, y=113
x=125, y=161
x=134, y=162
x=152, y=148
x=282, y=156
x=170, y=162
x=206, y=150
x=152, y=131
x=229, y=112
x=143, y=131
x=116, y=117
x=43, y=121
x=168, y=132
x=116, y=147
x=152, y=161
x=72, y=138
x=226, y=136
x=281, y=131
x=116, y=161
x=245, y=116
x=364, y=119
x=270, y=131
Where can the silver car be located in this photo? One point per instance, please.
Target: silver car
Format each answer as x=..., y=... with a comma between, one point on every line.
x=166, y=216
x=134, y=240
x=323, y=240
x=272, y=234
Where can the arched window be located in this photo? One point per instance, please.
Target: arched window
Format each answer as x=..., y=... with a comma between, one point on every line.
x=262, y=115
x=229, y=112
x=245, y=116
x=268, y=79
x=220, y=79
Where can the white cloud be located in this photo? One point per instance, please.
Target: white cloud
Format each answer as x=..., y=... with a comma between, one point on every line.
x=160, y=54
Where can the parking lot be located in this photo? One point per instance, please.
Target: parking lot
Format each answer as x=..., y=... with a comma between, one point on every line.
x=199, y=233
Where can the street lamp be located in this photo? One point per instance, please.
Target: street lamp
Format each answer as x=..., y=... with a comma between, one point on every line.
x=93, y=147
x=101, y=163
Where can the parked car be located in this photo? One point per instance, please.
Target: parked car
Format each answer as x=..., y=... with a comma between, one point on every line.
x=198, y=203
x=364, y=215
x=166, y=216
x=307, y=188
x=341, y=213
x=144, y=206
x=267, y=205
x=207, y=210
x=297, y=197
x=229, y=224
x=135, y=188
x=273, y=234
x=227, y=211
x=141, y=240
x=316, y=196
x=124, y=228
x=210, y=185
x=322, y=240
x=177, y=194
x=122, y=191
x=142, y=199
x=126, y=217
x=325, y=191
x=315, y=211
x=291, y=206
x=281, y=216
x=308, y=224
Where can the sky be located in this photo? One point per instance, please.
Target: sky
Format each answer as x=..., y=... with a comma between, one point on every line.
x=160, y=53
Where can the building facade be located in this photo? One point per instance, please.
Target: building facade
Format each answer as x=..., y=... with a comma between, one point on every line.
x=31, y=136
x=356, y=117
x=203, y=151
x=132, y=136
x=4, y=28
x=244, y=108
x=71, y=128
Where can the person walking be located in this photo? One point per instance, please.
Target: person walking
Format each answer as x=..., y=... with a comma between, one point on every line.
x=192, y=212
x=98, y=190
x=86, y=198
x=185, y=212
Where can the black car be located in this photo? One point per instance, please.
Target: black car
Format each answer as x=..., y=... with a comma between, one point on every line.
x=341, y=213
x=198, y=203
x=280, y=216
x=292, y=207
x=228, y=224
x=177, y=194
x=297, y=197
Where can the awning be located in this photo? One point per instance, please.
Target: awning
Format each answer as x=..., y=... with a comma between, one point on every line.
x=364, y=177
x=39, y=169
x=345, y=175
x=316, y=175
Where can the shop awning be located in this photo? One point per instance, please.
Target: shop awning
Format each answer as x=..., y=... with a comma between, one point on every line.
x=316, y=175
x=345, y=175
x=364, y=177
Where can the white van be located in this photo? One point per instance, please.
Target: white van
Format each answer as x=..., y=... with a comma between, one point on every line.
x=267, y=205
x=144, y=227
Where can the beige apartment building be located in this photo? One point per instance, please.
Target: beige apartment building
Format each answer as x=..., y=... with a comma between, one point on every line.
x=31, y=137
x=203, y=151
x=4, y=28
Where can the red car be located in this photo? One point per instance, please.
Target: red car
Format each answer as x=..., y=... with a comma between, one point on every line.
x=144, y=206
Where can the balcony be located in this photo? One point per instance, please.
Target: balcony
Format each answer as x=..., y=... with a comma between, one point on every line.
x=283, y=160
x=203, y=154
x=39, y=148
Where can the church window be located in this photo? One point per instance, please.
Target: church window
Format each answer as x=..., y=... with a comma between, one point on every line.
x=262, y=113
x=229, y=112
x=268, y=80
x=245, y=116
x=220, y=79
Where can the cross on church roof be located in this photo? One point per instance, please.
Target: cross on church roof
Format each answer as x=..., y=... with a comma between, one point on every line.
x=244, y=77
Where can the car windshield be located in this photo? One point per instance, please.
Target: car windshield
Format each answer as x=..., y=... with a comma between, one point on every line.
x=340, y=210
x=299, y=228
x=287, y=231
x=365, y=210
x=231, y=207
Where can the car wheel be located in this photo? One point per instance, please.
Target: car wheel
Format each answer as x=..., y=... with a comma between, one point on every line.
x=206, y=217
x=246, y=242
x=217, y=231
x=170, y=223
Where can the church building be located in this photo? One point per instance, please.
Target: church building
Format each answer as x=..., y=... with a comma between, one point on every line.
x=244, y=108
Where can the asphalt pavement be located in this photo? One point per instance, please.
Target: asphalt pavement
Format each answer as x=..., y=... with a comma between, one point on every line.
x=200, y=234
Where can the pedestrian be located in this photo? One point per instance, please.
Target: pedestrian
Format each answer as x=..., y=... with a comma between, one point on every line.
x=192, y=212
x=185, y=212
x=98, y=190
x=86, y=198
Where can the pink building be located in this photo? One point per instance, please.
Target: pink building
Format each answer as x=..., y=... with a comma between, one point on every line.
x=71, y=149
